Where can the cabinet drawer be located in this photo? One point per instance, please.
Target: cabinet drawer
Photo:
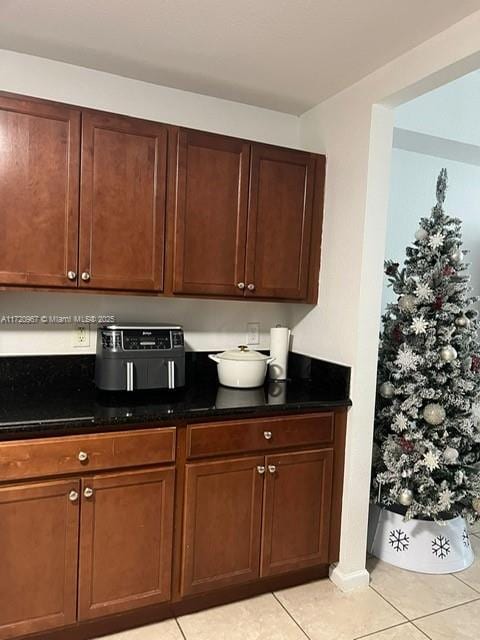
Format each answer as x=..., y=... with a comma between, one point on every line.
x=262, y=434
x=77, y=454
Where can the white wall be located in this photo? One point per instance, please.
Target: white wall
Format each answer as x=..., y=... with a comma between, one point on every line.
x=451, y=111
x=356, y=135
x=412, y=196
x=209, y=324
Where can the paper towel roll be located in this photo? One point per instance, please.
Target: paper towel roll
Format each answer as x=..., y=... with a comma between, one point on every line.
x=279, y=343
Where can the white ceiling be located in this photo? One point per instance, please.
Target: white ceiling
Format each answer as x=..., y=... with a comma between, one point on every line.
x=286, y=55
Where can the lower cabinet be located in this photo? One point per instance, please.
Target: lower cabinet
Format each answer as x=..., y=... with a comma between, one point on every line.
x=126, y=533
x=296, y=511
x=254, y=517
x=38, y=556
x=222, y=523
x=122, y=523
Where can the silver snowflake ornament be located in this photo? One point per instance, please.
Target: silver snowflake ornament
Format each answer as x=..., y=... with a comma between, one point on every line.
x=419, y=325
x=424, y=292
x=436, y=240
x=407, y=359
x=430, y=460
x=446, y=499
x=401, y=422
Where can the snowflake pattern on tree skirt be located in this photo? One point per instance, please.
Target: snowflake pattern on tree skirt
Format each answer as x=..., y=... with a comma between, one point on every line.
x=441, y=547
x=465, y=538
x=399, y=540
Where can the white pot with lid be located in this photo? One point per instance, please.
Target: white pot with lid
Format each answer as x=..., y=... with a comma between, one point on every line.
x=241, y=368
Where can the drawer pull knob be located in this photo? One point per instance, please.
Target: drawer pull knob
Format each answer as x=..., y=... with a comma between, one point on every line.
x=72, y=275
x=251, y=287
x=241, y=285
x=88, y=492
x=267, y=435
x=261, y=469
x=85, y=276
x=73, y=495
x=83, y=456
x=272, y=468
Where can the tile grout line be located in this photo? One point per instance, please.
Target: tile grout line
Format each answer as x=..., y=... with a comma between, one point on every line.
x=388, y=602
x=291, y=616
x=455, y=606
x=465, y=583
x=374, y=633
x=421, y=630
x=180, y=629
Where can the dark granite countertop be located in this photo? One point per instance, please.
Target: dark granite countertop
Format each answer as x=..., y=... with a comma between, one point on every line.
x=55, y=395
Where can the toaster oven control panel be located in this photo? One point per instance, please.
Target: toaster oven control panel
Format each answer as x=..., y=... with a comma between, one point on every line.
x=142, y=339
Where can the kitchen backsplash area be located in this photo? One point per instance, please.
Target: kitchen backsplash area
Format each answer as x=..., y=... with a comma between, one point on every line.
x=208, y=324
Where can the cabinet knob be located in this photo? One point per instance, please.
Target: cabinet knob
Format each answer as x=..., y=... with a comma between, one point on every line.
x=241, y=285
x=83, y=456
x=88, y=492
x=71, y=275
x=267, y=435
x=261, y=469
x=272, y=468
x=251, y=287
x=85, y=276
x=73, y=495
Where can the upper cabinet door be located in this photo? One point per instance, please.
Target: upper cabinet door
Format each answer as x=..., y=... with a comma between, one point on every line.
x=122, y=211
x=279, y=222
x=39, y=176
x=210, y=214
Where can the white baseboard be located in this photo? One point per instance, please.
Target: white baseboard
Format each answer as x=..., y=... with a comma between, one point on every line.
x=349, y=581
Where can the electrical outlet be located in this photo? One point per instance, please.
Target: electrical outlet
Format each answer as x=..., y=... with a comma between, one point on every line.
x=253, y=333
x=81, y=336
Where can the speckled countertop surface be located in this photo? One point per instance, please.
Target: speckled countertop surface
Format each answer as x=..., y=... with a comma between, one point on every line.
x=55, y=395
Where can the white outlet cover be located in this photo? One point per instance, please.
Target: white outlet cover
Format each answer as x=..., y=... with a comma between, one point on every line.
x=81, y=336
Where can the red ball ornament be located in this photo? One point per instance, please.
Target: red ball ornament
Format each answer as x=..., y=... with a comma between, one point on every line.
x=438, y=304
x=475, y=366
x=397, y=334
x=407, y=445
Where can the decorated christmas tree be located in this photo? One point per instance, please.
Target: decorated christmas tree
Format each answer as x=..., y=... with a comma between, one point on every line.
x=427, y=424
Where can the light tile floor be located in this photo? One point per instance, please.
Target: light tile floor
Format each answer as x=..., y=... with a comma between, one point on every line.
x=398, y=605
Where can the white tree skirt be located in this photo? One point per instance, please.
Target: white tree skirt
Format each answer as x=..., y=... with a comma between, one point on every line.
x=419, y=545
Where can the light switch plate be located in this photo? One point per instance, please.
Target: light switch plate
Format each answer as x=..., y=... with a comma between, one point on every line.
x=253, y=333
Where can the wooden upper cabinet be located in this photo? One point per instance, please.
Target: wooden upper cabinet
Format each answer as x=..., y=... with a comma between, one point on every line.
x=38, y=556
x=39, y=176
x=125, y=541
x=279, y=222
x=210, y=214
x=222, y=524
x=298, y=489
x=122, y=211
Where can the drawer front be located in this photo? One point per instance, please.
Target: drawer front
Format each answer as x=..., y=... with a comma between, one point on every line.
x=78, y=454
x=262, y=434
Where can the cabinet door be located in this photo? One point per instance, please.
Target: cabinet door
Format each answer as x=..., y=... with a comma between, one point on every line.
x=279, y=222
x=38, y=556
x=125, y=541
x=210, y=214
x=298, y=492
x=122, y=204
x=222, y=524
x=39, y=178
